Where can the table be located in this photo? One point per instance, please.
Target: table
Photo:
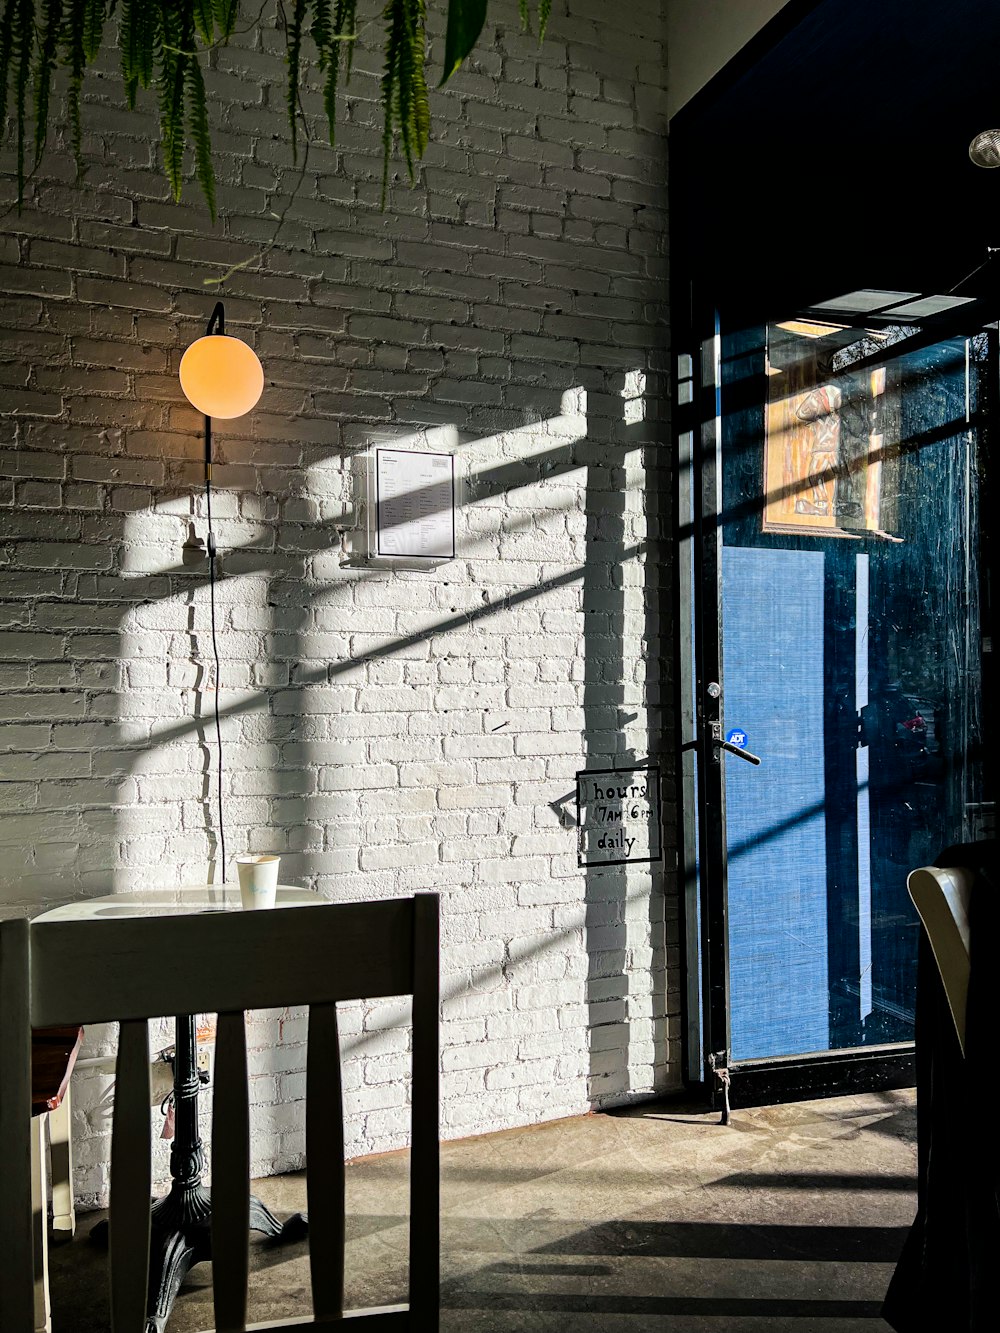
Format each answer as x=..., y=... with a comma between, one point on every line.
x=181, y=1233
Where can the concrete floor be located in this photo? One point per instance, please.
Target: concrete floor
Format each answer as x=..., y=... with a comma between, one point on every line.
x=652, y=1219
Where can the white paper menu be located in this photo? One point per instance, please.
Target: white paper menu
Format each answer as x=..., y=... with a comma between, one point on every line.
x=414, y=504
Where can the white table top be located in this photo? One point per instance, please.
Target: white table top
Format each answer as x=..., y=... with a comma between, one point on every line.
x=190, y=900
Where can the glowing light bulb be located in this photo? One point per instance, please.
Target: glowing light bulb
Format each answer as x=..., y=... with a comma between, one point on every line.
x=221, y=376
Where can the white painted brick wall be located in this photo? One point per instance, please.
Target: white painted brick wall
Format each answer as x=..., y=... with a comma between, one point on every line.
x=385, y=730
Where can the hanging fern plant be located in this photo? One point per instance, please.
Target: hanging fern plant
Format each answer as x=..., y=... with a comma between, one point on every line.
x=163, y=43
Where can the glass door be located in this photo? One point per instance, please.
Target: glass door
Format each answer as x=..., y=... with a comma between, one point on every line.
x=838, y=635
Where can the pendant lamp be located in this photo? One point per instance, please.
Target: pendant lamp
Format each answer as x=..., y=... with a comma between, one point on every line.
x=221, y=377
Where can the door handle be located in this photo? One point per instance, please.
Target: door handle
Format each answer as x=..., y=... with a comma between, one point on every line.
x=735, y=749
x=715, y=732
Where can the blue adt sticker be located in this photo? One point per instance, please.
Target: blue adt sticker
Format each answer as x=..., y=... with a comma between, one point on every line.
x=738, y=738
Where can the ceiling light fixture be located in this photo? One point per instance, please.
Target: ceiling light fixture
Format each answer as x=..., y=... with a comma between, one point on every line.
x=985, y=149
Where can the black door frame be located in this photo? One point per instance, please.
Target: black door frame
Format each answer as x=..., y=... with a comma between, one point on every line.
x=927, y=201
x=699, y=443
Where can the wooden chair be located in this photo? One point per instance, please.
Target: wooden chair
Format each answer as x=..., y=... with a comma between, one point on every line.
x=942, y=896
x=136, y=968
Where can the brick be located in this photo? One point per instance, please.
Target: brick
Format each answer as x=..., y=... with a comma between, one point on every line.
x=383, y=728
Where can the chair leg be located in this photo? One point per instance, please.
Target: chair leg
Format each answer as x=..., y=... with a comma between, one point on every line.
x=61, y=1154
x=39, y=1217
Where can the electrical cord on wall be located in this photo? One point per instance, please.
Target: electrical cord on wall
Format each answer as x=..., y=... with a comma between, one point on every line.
x=216, y=324
x=215, y=653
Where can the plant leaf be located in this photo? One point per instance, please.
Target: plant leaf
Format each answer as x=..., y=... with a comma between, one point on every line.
x=390, y=82
x=332, y=36
x=176, y=36
x=137, y=36
x=77, y=60
x=465, y=23
x=544, y=10
x=293, y=37
x=198, y=125
x=6, y=45
x=93, y=26
x=522, y=9
x=347, y=16
x=320, y=30
x=204, y=20
x=24, y=41
x=404, y=87
x=225, y=16
x=51, y=28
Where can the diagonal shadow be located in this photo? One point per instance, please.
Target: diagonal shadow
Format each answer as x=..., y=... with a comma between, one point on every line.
x=756, y=504
x=328, y=673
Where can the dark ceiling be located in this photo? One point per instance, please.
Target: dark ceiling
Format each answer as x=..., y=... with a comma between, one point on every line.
x=833, y=154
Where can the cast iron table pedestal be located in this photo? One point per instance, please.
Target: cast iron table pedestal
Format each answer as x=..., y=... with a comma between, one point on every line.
x=181, y=1224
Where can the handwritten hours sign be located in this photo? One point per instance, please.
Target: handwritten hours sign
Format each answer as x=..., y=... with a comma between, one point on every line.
x=618, y=815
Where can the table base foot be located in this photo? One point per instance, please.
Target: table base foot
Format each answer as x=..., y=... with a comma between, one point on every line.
x=262, y=1219
x=181, y=1236
x=171, y=1255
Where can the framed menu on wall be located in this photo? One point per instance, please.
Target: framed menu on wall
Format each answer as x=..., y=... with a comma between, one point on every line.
x=414, y=505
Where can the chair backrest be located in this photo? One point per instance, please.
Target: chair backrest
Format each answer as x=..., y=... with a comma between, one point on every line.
x=942, y=896
x=135, y=968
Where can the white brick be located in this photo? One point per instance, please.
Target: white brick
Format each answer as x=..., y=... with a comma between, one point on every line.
x=384, y=728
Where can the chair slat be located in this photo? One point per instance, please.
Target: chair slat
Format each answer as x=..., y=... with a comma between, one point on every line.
x=378, y=1319
x=325, y=1162
x=130, y=1180
x=16, y=1270
x=230, y=1174
x=425, y=1137
x=232, y=960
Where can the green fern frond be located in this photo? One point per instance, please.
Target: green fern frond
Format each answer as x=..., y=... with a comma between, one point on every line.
x=76, y=58
x=404, y=87
x=544, y=12
x=198, y=125
x=24, y=41
x=332, y=36
x=176, y=35
x=137, y=37
x=6, y=46
x=158, y=41
x=294, y=39
x=93, y=26
x=390, y=81
x=320, y=30
x=225, y=16
x=204, y=20
x=127, y=43
x=49, y=45
x=330, y=95
x=420, y=107
x=345, y=28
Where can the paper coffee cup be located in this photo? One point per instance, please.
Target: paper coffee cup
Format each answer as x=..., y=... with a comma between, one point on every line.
x=258, y=880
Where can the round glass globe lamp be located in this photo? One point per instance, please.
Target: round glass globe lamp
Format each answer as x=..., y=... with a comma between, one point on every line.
x=221, y=376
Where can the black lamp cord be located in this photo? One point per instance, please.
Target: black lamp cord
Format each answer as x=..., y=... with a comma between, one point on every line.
x=217, y=324
x=221, y=879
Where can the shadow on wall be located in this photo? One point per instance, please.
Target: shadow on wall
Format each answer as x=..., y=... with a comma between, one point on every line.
x=498, y=678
